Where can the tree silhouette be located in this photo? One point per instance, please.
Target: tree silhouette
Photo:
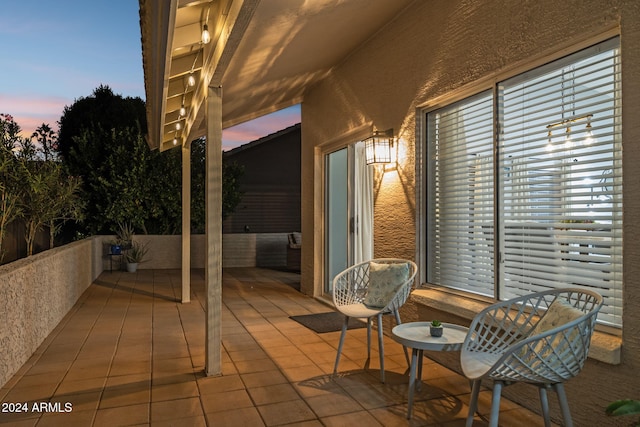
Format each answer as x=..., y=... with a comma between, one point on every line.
x=101, y=139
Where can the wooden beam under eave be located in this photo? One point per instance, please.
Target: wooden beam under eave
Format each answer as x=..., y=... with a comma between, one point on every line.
x=218, y=56
x=157, y=19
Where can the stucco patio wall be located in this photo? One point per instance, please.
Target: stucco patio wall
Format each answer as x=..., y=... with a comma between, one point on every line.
x=429, y=55
x=239, y=250
x=36, y=293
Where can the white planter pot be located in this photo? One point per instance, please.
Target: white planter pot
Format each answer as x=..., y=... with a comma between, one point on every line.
x=132, y=267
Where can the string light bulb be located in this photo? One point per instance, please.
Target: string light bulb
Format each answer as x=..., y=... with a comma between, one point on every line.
x=206, y=37
x=178, y=126
x=183, y=111
x=191, y=81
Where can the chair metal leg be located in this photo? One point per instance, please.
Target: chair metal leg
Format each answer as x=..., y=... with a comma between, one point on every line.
x=406, y=352
x=564, y=405
x=544, y=402
x=473, y=401
x=381, y=347
x=368, y=338
x=344, y=332
x=495, y=403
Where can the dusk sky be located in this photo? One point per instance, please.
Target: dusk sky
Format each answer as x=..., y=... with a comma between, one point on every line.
x=54, y=52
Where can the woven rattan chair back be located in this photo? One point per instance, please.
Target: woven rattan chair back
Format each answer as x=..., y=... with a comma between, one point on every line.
x=350, y=289
x=505, y=345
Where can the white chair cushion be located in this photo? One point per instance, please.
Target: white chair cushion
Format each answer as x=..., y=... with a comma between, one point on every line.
x=476, y=364
x=358, y=311
x=384, y=281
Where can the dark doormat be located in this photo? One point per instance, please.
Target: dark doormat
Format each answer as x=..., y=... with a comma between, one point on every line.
x=327, y=322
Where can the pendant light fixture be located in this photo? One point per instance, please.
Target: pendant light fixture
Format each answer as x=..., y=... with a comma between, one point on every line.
x=567, y=123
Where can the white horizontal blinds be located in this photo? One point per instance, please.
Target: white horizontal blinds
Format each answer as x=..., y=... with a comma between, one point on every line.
x=561, y=178
x=460, y=195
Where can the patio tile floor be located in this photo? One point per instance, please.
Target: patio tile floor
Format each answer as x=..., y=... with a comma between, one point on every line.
x=129, y=353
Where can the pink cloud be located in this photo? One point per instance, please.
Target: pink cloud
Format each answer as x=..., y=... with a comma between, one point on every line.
x=31, y=112
x=262, y=126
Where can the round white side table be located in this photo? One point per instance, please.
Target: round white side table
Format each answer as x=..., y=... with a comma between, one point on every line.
x=416, y=335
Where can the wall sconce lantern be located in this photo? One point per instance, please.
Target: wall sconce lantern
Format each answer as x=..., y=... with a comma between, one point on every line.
x=378, y=147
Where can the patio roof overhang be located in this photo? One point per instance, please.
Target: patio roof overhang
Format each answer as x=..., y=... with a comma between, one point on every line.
x=265, y=54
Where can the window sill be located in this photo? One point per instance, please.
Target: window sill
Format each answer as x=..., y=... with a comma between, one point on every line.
x=604, y=347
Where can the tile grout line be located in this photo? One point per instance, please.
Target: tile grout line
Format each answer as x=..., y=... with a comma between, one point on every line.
x=289, y=380
x=102, y=309
x=115, y=350
x=75, y=312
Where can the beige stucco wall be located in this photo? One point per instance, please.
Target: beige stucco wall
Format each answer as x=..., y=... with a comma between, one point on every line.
x=36, y=293
x=440, y=48
x=239, y=250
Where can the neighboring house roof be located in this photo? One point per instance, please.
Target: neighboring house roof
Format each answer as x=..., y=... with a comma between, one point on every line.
x=263, y=140
x=270, y=184
x=264, y=54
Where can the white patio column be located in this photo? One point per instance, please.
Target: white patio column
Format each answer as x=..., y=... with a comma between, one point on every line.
x=186, y=222
x=213, y=202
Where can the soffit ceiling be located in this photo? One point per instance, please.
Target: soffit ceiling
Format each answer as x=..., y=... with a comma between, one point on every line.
x=264, y=54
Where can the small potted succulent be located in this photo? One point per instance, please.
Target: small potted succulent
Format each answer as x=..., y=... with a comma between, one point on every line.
x=436, y=328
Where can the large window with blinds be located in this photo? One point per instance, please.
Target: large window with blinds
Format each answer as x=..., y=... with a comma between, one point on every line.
x=524, y=183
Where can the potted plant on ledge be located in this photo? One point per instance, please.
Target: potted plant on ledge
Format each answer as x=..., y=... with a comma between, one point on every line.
x=135, y=255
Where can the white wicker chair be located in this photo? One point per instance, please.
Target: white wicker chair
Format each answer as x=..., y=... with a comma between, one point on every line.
x=511, y=341
x=350, y=292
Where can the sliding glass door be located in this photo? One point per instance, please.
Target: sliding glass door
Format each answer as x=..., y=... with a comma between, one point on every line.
x=337, y=215
x=348, y=211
